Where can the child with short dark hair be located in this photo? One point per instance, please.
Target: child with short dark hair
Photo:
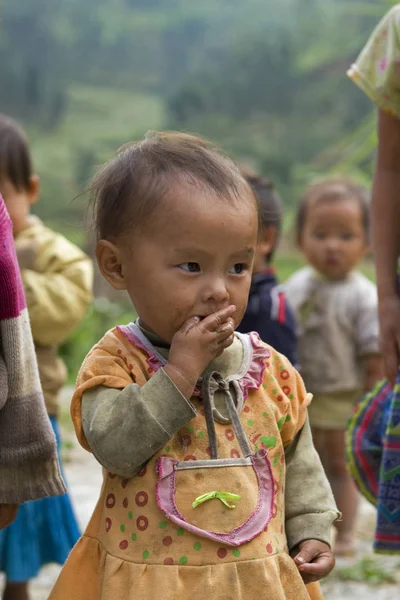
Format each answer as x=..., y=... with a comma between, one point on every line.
x=268, y=311
x=197, y=426
x=338, y=333
x=57, y=278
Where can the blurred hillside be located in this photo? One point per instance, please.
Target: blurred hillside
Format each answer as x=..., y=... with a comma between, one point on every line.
x=265, y=79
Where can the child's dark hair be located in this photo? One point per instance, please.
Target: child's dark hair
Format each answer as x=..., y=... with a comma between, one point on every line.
x=269, y=203
x=127, y=190
x=332, y=189
x=15, y=157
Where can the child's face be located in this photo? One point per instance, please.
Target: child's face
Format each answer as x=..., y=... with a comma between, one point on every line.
x=333, y=238
x=18, y=202
x=195, y=258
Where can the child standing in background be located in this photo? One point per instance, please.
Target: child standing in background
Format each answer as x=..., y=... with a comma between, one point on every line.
x=202, y=431
x=268, y=311
x=57, y=279
x=338, y=335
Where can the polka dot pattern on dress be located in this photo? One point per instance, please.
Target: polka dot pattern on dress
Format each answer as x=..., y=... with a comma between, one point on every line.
x=230, y=435
x=167, y=541
x=110, y=501
x=141, y=498
x=142, y=523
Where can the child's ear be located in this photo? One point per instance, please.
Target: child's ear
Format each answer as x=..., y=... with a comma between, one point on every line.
x=34, y=189
x=109, y=260
x=268, y=239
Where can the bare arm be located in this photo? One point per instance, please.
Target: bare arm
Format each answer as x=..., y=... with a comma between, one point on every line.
x=373, y=371
x=386, y=231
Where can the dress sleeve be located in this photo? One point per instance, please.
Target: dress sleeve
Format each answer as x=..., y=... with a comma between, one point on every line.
x=377, y=69
x=124, y=429
x=310, y=508
x=118, y=413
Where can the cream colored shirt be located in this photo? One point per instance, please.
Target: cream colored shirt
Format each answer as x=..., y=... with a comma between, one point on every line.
x=337, y=327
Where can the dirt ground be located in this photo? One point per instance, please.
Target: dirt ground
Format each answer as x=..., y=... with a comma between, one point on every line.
x=365, y=576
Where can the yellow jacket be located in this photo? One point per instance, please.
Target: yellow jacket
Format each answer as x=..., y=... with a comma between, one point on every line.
x=57, y=278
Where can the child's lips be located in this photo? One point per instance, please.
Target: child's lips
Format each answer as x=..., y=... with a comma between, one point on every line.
x=332, y=261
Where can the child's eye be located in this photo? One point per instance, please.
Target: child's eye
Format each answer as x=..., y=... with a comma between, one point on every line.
x=346, y=236
x=191, y=267
x=238, y=268
x=319, y=235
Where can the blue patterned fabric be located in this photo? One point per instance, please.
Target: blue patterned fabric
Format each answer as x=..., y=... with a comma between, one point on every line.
x=373, y=454
x=44, y=531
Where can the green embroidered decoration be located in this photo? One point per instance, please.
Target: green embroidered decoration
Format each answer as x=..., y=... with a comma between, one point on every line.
x=223, y=496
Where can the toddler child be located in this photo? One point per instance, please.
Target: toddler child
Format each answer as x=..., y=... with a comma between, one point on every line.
x=57, y=278
x=191, y=421
x=336, y=308
x=268, y=312
x=375, y=442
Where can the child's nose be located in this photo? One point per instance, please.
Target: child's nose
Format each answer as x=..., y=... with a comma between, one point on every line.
x=217, y=292
x=333, y=243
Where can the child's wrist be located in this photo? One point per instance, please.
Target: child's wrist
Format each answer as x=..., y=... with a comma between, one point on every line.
x=185, y=366
x=184, y=381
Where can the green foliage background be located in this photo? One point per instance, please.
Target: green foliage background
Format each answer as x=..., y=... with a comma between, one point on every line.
x=265, y=79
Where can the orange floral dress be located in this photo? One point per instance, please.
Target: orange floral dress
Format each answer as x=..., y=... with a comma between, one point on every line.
x=147, y=537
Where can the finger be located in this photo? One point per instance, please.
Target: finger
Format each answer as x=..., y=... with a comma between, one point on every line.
x=227, y=327
x=307, y=554
x=189, y=324
x=227, y=333
x=213, y=322
x=226, y=343
x=319, y=568
x=229, y=322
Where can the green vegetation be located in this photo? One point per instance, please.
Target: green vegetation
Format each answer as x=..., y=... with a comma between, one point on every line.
x=367, y=570
x=266, y=80
x=98, y=121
